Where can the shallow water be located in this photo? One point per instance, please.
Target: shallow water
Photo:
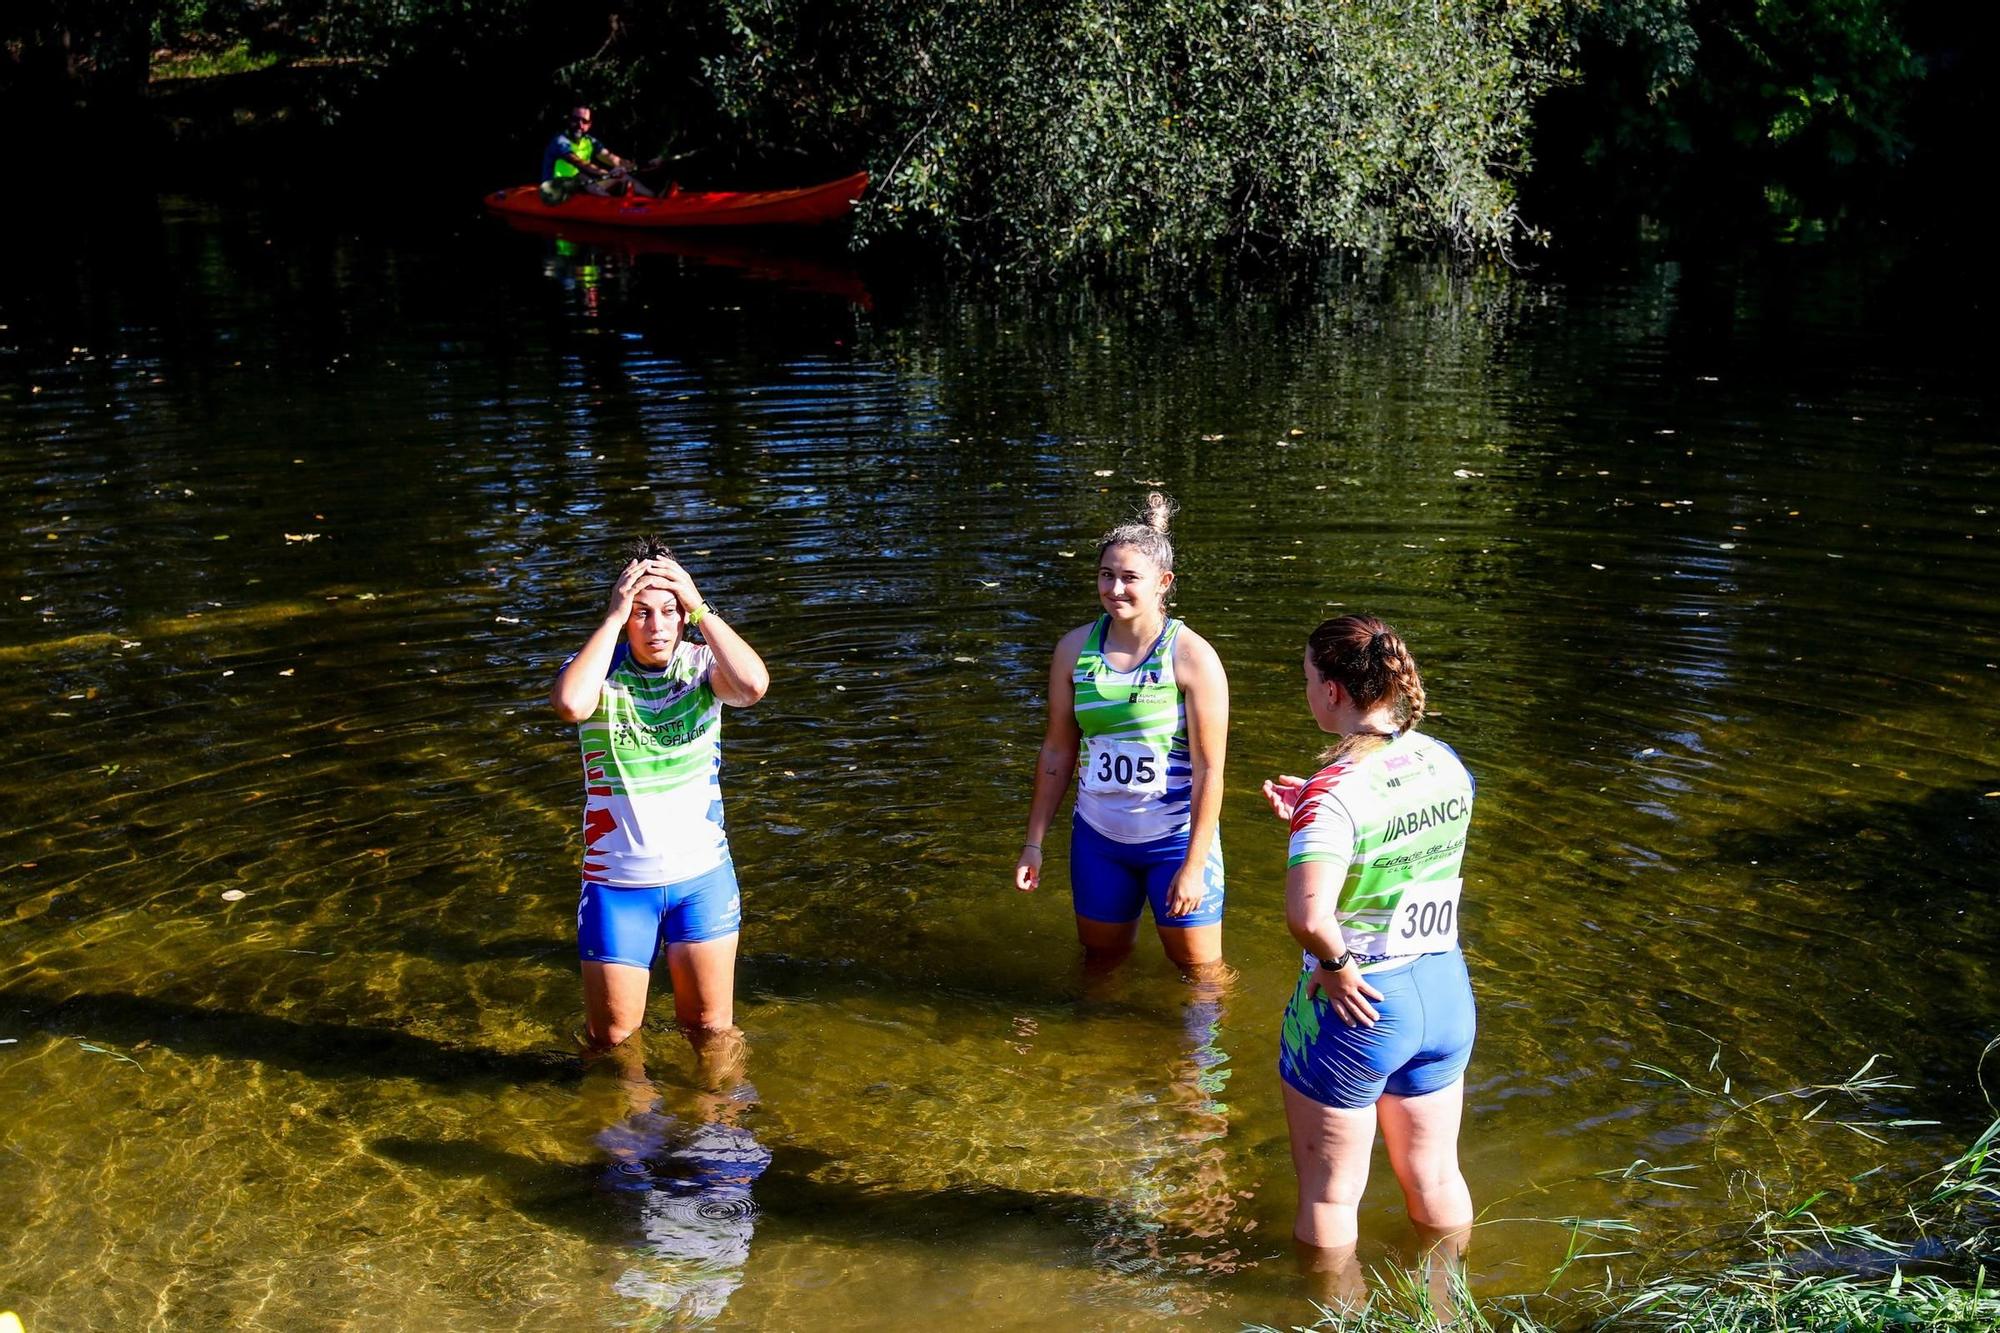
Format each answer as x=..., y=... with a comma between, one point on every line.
x=1699, y=558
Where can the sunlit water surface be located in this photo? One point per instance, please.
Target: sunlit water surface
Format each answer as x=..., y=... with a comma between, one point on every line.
x=301, y=516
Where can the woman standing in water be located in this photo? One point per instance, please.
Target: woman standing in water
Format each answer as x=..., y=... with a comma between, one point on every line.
x=1380, y=1027
x=656, y=864
x=1146, y=700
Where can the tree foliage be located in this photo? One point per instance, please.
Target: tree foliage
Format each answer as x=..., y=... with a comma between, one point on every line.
x=1095, y=130
x=1090, y=133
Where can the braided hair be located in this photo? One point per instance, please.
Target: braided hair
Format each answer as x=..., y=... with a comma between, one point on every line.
x=1373, y=664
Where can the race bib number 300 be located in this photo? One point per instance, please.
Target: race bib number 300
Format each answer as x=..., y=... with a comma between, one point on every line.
x=1426, y=918
x=1127, y=766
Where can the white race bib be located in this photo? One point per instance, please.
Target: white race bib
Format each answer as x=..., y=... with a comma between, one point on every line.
x=1132, y=767
x=1425, y=920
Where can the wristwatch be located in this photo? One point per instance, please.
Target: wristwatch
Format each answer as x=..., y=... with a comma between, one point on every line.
x=1346, y=957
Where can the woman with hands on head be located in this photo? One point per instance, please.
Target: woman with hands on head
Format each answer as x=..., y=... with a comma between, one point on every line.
x=1380, y=1026
x=1142, y=703
x=656, y=865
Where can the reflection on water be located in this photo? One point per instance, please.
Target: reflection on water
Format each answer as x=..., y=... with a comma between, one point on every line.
x=301, y=513
x=696, y=1213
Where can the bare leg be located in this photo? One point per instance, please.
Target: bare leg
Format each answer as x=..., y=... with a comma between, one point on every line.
x=1333, y=1277
x=704, y=978
x=614, y=1001
x=1330, y=1147
x=1195, y=950
x=1105, y=943
x=1421, y=1134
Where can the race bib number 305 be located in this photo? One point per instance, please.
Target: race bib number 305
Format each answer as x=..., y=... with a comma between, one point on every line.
x=1127, y=766
x=1426, y=918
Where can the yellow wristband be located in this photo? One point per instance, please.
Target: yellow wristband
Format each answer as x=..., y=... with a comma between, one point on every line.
x=696, y=616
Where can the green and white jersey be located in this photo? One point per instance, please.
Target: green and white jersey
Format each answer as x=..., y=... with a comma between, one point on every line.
x=652, y=772
x=1134, y=779
x=1396, y=819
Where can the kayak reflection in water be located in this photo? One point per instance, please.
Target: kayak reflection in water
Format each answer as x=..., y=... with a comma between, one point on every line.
x=575, y=160
x=692, y=1177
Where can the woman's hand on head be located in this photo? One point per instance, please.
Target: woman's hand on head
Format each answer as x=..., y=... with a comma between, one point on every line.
x=1028, y=869
x=1282, y=794
x=635, y=578
x=679, y=582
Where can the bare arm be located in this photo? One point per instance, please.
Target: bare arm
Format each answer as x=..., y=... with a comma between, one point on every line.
x=1205, y=693
x=1312, y=895
x=1056, y=764
x=579, y=684
x=740, y=677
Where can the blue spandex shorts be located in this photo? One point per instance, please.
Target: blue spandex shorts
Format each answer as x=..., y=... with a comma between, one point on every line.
x=615, y=924
x=1111, y=881
x=1421, y=1043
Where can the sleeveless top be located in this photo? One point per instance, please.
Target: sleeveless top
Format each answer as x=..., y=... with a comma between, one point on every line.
x=1135, y=778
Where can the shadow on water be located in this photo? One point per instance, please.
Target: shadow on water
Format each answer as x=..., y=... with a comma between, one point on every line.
x=1938, y=846
x=316, y=1049
x=789, y=1195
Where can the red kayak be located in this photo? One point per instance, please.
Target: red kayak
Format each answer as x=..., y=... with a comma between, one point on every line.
x=692, y=208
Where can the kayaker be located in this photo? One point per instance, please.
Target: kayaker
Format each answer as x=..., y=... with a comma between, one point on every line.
x=1146, y=700
x=575, y=160
x=657, y=873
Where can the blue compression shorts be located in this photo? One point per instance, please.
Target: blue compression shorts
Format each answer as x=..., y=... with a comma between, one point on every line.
x=615, y=924
x=1421, y=1043
x=1111, y=881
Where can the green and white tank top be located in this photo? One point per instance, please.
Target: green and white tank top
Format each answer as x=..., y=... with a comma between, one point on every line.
x=652, y=772
x=1135, y=779
x=1396, y=819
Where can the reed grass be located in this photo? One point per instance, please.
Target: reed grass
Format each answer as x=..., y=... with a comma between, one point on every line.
x=1923, y=1263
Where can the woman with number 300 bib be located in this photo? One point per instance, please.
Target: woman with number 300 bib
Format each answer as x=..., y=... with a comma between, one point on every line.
x=1139, y=711
x=1380, y=1026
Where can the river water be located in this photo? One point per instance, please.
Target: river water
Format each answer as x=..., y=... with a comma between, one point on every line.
x=301, y=513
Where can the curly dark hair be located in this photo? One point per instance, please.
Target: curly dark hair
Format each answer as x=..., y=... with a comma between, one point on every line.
x=652, y=546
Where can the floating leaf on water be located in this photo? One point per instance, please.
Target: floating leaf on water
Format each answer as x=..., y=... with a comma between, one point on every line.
x=233, y=895
x=984, y=584
x=303, y=536
x=1725, y=546
x=1211, y=438
x=1597, y=566
x=288, y=671
x=1101, y=472
x=230, y=672
x=965, y=659
x=506, y=620
x=1067, y=555
x=1296, y=432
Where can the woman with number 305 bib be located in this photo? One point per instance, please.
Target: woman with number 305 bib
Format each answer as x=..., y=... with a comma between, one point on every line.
x=1380, y=1026
x=1139, y=712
